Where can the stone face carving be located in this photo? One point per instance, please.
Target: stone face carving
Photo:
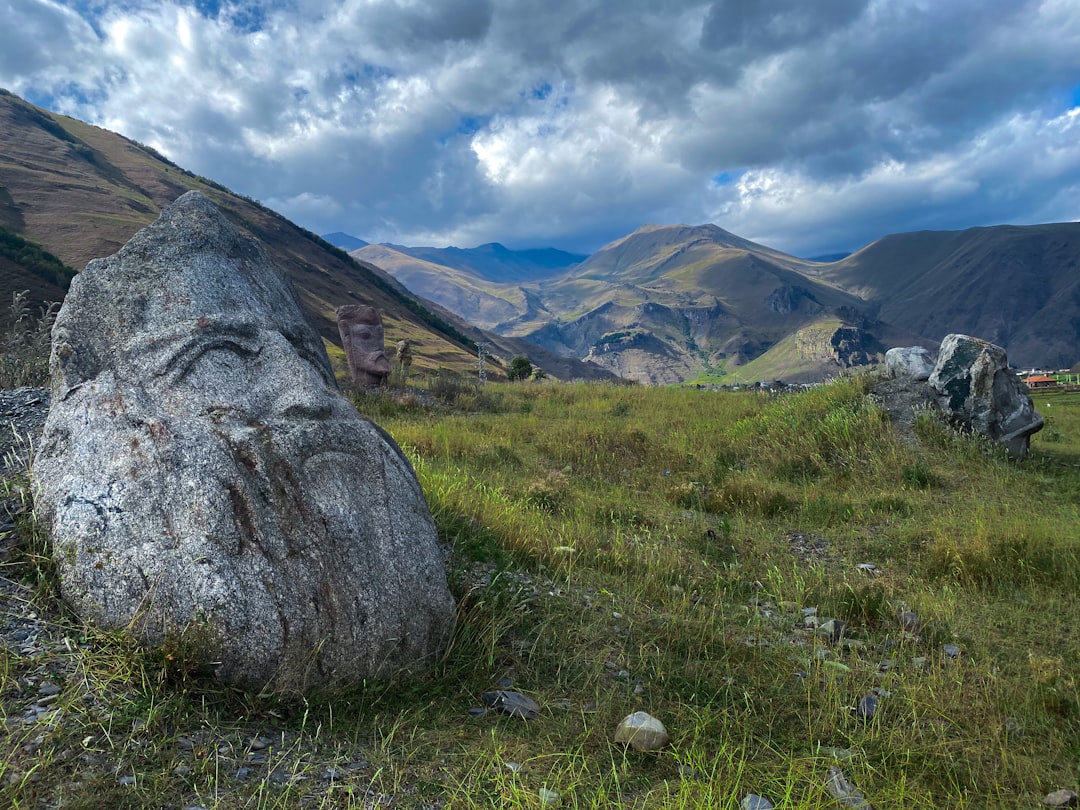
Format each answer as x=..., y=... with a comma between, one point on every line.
x=202, y=477
x=915, y=362
x=361, y=330
x=974, y=385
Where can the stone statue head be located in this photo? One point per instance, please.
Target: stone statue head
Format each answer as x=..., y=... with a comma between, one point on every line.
x=361, y=330
x=201, y=474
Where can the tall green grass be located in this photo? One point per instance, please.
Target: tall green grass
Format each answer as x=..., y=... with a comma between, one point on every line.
x=626, y=548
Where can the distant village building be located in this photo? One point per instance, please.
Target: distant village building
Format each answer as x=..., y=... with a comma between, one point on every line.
x=1040, y=381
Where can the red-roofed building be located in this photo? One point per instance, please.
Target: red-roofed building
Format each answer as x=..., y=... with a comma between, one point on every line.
x=1041, y=381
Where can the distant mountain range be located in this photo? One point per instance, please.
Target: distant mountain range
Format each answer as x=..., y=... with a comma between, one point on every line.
x=663, y=304
x=70, y=192
x=684, y=303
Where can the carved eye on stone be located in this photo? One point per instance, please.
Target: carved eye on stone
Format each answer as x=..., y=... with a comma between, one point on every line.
x=225, y=363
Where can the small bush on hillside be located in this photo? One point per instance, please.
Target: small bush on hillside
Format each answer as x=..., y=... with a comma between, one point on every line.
x=521, y=368
x=24, y=360
x=448, y=387
x=32, y=257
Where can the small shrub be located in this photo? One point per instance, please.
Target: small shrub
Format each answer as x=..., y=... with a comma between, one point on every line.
x=449, y=387
x=918, y=475
x=749, y=495
x=549, y=493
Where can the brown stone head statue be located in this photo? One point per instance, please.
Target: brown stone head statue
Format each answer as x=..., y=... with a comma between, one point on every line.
x=361, y=331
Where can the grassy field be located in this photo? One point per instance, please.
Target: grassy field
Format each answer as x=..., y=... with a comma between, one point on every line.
x=627, y=548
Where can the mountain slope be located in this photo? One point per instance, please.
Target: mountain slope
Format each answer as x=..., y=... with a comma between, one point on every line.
x=344, y=241
x=1017, y=286
x=497, y=263
x=676, y=303
x=480, y=302
x=81, y=192
x=686, y=302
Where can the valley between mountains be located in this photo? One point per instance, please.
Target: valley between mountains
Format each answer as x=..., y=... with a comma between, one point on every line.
x=669, y=304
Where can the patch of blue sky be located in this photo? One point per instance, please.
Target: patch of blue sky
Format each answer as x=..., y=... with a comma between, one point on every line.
x=726, y=178
x=548, y=93
x=247, y=17
x=64, y=96
x=90, y=11
x=467, y=126
x=39, y=98
x=367, y=74
x=1064, y=98
x=542, y=91
x=471, y=124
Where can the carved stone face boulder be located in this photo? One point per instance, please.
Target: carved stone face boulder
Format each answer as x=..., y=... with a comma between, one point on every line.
x=361, y=330
x=204, y=481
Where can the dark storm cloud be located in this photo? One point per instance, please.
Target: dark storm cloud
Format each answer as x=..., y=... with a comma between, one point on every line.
x=562, y=122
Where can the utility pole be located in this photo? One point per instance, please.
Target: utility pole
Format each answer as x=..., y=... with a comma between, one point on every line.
x=481, y=356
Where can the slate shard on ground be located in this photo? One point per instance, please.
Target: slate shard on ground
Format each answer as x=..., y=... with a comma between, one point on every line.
x=867, y=707
x=752, y=801
x=514, y=704
x=845, y=793
x=204, y=482
x=1061, y=798
x=642, y=732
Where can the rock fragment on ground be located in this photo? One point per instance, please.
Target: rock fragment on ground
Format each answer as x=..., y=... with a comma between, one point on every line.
x=845, y=792
x=642, y=732
x=514, y=704
x=752, y=801
x=1061, y=798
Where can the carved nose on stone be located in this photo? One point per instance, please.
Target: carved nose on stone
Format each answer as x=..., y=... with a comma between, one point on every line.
x=309, y=399
x=300, y=391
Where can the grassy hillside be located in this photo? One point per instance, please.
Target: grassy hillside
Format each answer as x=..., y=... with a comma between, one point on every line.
x=81, y=192
x=481, y=302
x=621, y=549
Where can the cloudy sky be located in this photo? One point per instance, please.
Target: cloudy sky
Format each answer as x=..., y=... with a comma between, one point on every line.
x=812, y=126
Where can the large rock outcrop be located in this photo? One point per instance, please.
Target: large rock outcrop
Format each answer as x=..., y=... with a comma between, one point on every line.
x=204, y=481
x=976, y=388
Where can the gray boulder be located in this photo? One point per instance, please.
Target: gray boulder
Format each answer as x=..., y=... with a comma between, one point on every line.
x=915, y=362
x=205, y=484
x=976, y=388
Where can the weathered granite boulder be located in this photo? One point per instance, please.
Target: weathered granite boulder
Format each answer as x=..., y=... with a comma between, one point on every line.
x=915, y=362
x=205, y=483
x=361, y=330
x=976, y=388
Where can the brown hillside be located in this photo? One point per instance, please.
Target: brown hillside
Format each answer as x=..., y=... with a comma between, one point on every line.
x=81, y=192
x=1017, y=286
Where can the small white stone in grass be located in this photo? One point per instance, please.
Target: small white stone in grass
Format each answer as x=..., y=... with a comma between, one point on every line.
x=549, y=797
x=754, y=802
x=642, y=732
x=1060, y=798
